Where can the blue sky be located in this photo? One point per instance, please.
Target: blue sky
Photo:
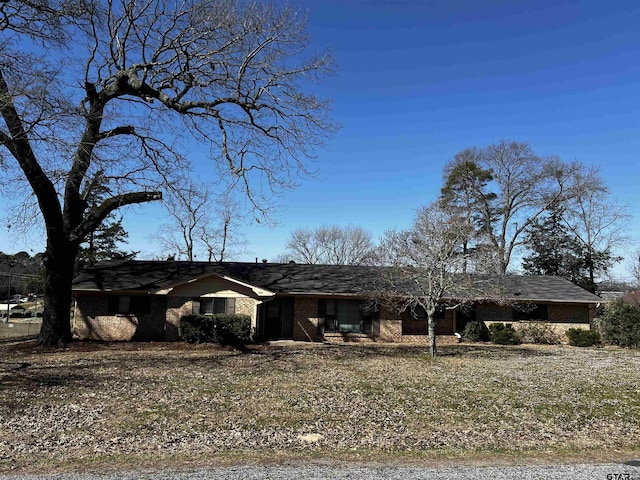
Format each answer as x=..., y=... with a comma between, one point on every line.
x=418, y=81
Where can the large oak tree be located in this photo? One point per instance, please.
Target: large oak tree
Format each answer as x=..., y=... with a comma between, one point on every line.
x=117, y=90
x=504, y=188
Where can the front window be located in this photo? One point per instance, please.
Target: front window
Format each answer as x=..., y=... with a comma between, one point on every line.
x=416, y=321
x=347, y=316
x=127, y=305
x=212, y=306
x=530, y=311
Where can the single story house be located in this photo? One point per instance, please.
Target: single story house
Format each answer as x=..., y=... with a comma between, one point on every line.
x=145, y=300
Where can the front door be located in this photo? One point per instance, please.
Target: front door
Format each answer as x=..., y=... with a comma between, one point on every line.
x=276, y=317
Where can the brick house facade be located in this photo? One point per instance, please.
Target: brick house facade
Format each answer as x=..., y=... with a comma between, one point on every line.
x=139, y=300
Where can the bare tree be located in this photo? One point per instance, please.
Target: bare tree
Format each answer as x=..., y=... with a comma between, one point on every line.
x=147, y=77
x=332, y=245
x=521, y=187
x=425, y=265
x=201, y=224
x=633, y=265
x=188, y=209
x=598, y=223
x=223, y=241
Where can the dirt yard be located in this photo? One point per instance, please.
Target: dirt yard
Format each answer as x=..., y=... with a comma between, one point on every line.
x=92, y=406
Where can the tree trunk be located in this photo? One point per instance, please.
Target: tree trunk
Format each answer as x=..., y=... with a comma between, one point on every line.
x=591, y=268
x=431, y=326
x=56, y=319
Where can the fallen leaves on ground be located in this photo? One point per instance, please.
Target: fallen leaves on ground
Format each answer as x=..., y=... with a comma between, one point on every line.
x=88, y=401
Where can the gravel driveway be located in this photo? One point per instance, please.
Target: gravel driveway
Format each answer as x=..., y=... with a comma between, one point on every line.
x=308, y=472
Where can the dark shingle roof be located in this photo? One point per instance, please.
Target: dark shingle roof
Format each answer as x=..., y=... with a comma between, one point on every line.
x=299, y=279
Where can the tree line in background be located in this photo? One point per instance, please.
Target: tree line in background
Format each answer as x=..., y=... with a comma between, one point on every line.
x=21, y=274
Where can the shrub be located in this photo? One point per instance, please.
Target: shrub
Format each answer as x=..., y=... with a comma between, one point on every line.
x=538, y=332
x=196, y=329
x=620, y=324
x=233, y=329
x=476, y=332
x=223, y=329
x=579, y=337
x=503, y=334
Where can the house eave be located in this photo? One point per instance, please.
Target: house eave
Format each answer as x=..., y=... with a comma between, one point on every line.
x=535, y=300
x=112, y=291
x=312, y=294
x=258, y=291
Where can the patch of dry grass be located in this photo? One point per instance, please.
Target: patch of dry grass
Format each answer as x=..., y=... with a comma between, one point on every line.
x=124, y=404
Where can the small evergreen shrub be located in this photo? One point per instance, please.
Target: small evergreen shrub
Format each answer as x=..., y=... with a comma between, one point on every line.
x=503, y=334
x=582, y=338
x=475, y=332
x=233, y=329
x=224, y=329
x=196, y=329
x=620, y=324
x=538, y=332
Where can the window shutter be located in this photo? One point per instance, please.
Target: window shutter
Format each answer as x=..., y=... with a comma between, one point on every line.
x=230, y=306
x=376, y=322
x=195, y=306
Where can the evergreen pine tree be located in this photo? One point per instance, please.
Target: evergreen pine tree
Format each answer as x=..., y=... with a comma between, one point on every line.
x=553, y=250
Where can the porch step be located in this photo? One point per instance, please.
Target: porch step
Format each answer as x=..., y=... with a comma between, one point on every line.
x=348, y=337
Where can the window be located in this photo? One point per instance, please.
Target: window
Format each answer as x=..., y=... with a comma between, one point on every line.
x=416, y=322
x=347, y=316
x=530, y=311
x=127, y=305
x=214, y=305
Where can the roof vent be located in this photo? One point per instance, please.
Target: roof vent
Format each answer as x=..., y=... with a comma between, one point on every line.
x=171, y=258
x=292, y=262
x=264, y=260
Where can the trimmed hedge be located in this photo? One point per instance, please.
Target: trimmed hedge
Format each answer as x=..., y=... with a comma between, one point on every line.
x=224, y=329
x=620, y=324
x=537, y=332
x=475, y=331
x=579, y=337
x=503, y=334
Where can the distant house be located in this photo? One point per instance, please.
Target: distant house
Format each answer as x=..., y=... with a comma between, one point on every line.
x=145, y=300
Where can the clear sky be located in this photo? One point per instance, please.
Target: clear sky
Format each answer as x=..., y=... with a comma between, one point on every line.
x=419, y=80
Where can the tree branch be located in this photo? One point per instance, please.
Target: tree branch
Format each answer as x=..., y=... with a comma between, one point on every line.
x=95, y=217
x=18, y=144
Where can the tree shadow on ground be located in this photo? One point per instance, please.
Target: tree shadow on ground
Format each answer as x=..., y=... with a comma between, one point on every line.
x=80, y=367
x=27, y=375
x=491, y=350
x=484, y=350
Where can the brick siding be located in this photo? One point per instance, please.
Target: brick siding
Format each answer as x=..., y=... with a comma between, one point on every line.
x=90, y=321
x=305, y=319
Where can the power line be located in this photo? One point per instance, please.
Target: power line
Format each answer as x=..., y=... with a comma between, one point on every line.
x=19, y=275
